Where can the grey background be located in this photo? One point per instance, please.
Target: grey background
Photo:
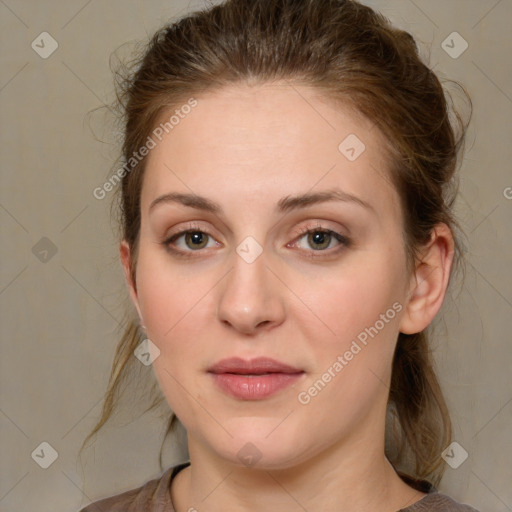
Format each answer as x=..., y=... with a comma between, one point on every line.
x=59, y=316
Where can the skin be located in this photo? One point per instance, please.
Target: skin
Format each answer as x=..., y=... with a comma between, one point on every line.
x=246, y=147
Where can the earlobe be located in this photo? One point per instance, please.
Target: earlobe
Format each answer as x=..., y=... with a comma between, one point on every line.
x=125, y=256
x=429, y=282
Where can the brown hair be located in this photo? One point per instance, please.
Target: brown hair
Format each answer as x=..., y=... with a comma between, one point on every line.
x=354, y=55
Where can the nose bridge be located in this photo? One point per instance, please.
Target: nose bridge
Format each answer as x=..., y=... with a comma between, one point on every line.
x=250, y=296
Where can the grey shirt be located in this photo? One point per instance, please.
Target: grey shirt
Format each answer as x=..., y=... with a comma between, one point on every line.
x=154, y=496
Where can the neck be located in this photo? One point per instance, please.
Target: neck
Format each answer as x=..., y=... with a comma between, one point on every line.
x=353, y=477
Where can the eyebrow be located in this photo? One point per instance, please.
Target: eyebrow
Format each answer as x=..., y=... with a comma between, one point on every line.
x=285, y=204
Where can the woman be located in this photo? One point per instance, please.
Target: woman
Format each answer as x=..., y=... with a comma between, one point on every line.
x=287, y=240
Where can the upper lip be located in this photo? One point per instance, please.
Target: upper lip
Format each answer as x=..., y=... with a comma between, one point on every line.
x=258, y=366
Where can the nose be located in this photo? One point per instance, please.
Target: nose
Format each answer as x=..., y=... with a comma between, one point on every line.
x=251, y=299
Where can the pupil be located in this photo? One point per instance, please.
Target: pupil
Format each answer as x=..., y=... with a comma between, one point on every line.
x=196, y=238
x=319, y=237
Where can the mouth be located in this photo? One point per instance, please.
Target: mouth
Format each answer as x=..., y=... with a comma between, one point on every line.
x=255, y=379
x=258, y=366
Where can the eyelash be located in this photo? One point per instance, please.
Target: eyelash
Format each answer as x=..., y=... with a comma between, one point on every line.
x=192, y=228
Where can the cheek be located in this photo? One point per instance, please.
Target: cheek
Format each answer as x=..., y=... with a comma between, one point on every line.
x=176, y=304
x=353, y=359
x=349, y=300
x=166, y=293
x=353, y=332
x=170, y=304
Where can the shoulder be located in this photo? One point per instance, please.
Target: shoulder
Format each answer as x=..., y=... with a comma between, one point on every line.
x=153, y=496
x=438, y=502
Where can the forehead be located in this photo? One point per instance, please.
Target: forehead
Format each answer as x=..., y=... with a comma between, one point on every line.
x=244, y=142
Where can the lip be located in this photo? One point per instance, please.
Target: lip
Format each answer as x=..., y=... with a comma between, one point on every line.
x=255, y=379
x=257, y=366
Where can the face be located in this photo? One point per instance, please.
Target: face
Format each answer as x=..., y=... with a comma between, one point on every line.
x=248, y=281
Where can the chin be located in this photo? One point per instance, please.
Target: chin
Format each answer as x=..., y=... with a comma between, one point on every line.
x=254, y=445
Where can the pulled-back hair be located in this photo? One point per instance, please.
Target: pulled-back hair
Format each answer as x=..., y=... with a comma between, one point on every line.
x=355, y=56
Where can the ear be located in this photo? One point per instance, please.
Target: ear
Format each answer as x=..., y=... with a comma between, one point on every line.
x=126, y=258
x=429, y=281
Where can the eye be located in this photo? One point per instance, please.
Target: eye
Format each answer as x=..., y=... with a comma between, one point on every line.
x=194, y=239
x=320, y=239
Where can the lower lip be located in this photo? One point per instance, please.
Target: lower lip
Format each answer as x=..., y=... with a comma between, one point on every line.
x=254, y=387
